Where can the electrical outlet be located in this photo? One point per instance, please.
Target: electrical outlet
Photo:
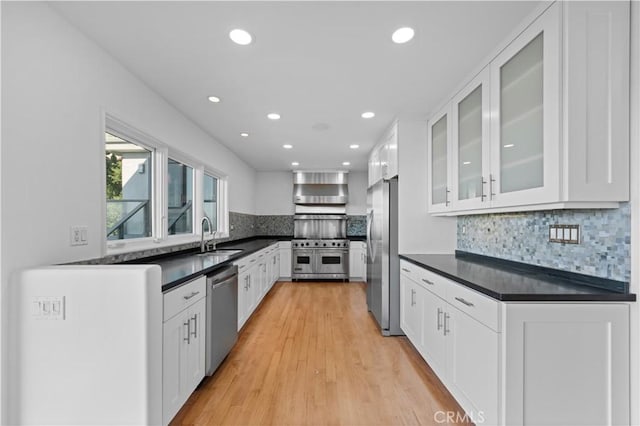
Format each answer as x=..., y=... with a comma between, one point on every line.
x=567, y=234
x=79, y=236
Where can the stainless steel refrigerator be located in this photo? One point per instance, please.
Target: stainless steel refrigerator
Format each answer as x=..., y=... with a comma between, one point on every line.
x=383, y=265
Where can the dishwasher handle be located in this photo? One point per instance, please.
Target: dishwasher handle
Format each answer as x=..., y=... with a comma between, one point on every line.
x=222, y=275
x=219, y=284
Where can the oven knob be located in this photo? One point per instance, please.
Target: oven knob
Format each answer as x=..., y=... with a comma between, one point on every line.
x=307, y=243
x=316, y=243
x=333, y=244
x=325, y=244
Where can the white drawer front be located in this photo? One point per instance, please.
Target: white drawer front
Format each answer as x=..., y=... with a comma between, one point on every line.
x=480, y=307
x=435, y=283
x=184, y=296
x=409, y=270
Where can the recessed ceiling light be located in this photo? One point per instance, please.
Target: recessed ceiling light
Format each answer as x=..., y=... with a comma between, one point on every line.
x=241, y=37
x=466, y=163
x=287, y=146
x=273, y=116
x=295, y=163
x=214, y=99
x=346, y=163
x=354, y=146
x=509, y=145
x=244, y=134
x=368, y=114
x=402, y=35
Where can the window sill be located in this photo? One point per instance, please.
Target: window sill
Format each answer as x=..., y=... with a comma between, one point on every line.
x=149, y=244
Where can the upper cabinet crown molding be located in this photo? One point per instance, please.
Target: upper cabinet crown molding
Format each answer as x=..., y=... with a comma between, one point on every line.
x=545, y=124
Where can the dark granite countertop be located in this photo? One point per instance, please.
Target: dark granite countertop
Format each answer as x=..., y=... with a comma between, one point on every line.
x=182, y=267
x=513, y=281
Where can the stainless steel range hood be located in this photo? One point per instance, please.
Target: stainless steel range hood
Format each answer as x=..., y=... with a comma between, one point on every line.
x=320, y=189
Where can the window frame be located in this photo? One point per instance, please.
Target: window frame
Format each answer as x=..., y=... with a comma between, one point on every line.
x=160, y=154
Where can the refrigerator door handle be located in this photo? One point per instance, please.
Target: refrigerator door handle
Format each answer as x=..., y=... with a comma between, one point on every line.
x=369, y=239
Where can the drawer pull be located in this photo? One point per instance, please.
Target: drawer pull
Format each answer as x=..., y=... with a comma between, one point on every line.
x=406, y=270
x=439, y=323
x=427, y=281
x=252, y=260
x=464, y=302
x=413, y=294
x=193, y=293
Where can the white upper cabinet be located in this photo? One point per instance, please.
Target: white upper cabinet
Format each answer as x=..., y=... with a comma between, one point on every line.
x=545, y=125
x=438, y=158
x=471, y=147
x=383, y=159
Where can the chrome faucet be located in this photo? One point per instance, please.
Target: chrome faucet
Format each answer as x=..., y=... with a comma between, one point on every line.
x=208, y=222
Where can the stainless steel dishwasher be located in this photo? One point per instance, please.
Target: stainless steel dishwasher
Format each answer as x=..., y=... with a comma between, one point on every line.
x=222, y=316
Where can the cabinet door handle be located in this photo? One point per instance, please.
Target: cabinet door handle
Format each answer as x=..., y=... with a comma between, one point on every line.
x=188, y=333
x=406, y=270
x=194, y=333
x=439, y=322
x=427, y=281
x=446, y=324
x=193, y=293
x=413, y=293
x=491, y=180
x=446, y=196
x=464, y=302
x=482, y=183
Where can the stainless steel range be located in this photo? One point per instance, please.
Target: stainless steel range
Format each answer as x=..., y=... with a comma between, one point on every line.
x=320, y=259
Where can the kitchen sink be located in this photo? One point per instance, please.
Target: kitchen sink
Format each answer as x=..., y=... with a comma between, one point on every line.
x=219, y=253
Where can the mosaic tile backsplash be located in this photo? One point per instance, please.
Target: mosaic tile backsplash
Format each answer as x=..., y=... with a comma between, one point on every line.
x=274, y=225
x=604, y=249
x=242, y=226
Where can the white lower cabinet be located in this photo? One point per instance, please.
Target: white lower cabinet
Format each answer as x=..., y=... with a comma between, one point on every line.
x=183, y=345
x=520, y=363
x=566, y=364
x=284, y=250
x=472, y=365
x=357, y=261
x=256, y=275
x=433, y=337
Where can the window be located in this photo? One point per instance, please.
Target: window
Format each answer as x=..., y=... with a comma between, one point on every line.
x=129, y=188
x=179, y=198
x=156, y=195
x=210, y=203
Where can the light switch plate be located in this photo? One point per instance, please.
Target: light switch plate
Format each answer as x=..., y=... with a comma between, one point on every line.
x=49, y=307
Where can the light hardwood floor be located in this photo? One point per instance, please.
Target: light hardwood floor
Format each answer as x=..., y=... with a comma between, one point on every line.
x=311, y=355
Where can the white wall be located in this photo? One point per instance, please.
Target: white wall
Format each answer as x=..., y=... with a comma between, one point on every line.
x=419, y=232
x=56, y=86
x=274, y=193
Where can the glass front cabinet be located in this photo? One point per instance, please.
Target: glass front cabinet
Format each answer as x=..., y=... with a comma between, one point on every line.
x=532, y=129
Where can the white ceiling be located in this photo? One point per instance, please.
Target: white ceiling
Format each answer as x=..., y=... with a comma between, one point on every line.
x=318, y=64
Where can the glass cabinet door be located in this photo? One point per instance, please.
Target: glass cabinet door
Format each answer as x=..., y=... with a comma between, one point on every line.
x=470, y=146
x=525, y=128
x=438, y=162
x=521, y=123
